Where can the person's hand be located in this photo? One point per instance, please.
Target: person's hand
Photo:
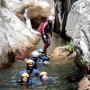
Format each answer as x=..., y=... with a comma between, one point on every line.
x=44, y=36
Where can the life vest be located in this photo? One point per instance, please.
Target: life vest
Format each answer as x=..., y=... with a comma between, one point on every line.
x=42, y=27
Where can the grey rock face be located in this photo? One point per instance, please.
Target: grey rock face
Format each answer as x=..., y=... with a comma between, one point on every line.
x=78, y=26
x=62, y=9
x=14, y=34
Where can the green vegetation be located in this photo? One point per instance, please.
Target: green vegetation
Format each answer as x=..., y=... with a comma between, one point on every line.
x=70, y=46
x=82, y=62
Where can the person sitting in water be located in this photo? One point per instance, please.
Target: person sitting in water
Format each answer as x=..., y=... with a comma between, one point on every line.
x=30, y=64
x=43, y=57
x=34, y=56
x=25, y=80
x=28, y=80
x=31, y=68
x=45, y=79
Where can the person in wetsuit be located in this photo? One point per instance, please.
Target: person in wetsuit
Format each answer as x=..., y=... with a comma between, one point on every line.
x=31, y=67
x=43, y=58
x=46, y=33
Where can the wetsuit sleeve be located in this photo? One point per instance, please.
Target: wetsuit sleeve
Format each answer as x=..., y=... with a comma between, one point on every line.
x=35, y=82
x=36, y=72
x=31, y=82
x=18, y=82
x=20, y=72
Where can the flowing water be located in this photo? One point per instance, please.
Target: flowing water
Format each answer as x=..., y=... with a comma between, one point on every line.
x=62, y=71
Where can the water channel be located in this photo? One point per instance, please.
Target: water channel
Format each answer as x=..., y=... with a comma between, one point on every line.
x=63, y=72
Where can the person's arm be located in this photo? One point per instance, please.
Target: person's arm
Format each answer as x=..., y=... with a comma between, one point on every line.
x=36, y=72
x=50, y=34
x=18, y=82
x=40, y=28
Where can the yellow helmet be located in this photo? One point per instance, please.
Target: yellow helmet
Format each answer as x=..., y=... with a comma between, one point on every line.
x=43, y=73
x=25, y=75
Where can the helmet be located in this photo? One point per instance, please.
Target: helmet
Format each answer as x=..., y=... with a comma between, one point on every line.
x=43, y=73
x=50, y=18
x=40, y=50
x=25, y=75
x=30, y=61
x=35, y=54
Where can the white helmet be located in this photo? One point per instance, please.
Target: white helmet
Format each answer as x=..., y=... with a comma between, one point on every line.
x=30, y=61
x=35, y=53
x=50, y=18
x=40, y=50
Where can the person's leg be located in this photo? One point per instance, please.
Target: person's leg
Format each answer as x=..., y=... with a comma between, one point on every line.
x=45, y=47
x=46, y=44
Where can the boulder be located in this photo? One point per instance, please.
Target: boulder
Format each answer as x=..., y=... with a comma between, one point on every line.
x=59, y=53
x=15, y=5
x=15, y=36
x=39, y=8
x=84, y=84
x=36, y=10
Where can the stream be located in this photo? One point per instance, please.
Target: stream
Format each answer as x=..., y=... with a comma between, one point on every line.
x=64, y=72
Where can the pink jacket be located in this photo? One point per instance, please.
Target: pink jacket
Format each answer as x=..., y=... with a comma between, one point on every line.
x=42, y=26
